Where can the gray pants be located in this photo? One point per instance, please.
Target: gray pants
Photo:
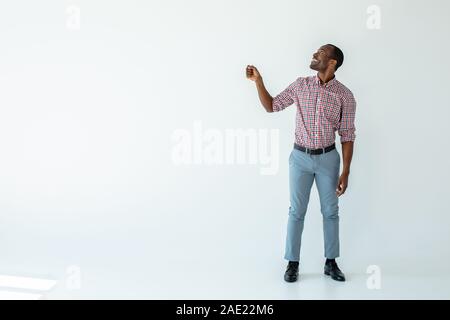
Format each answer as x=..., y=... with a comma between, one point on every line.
x=303, y=170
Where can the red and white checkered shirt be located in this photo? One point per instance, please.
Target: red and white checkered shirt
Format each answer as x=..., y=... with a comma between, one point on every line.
x=321, y=110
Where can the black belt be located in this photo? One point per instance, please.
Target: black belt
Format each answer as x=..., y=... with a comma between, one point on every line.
x=314, y=151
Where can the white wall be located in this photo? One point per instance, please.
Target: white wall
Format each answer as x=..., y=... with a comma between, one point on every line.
x=87, y=119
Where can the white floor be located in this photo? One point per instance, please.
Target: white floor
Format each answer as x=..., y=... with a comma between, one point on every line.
x=136, y=274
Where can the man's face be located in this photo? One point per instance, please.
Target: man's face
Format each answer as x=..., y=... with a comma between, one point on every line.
x=321, y=58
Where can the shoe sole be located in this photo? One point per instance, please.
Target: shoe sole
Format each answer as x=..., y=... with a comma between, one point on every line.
x=334, y=278
x=290, y=279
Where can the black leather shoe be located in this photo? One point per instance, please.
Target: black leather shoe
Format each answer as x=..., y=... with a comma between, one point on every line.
x=332, y=269
x=291, y=274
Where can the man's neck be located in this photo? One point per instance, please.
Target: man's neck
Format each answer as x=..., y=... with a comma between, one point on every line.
x=325, y=76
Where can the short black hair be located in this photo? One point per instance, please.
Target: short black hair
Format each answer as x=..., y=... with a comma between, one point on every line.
x=337, y=55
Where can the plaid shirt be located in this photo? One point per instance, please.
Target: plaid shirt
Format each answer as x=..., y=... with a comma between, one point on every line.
x=321, y=110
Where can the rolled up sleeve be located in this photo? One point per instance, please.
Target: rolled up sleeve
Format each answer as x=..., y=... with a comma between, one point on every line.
x=285, y=98
x=346, y=127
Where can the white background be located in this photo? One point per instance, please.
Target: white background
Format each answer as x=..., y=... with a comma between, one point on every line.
x=87, y=178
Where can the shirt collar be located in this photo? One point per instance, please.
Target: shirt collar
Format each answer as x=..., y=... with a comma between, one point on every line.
x=328, y=84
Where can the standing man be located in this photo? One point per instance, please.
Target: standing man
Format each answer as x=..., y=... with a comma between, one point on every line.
x=324, y=106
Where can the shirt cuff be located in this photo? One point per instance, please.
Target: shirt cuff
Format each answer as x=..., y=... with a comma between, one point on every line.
x=277, y=104
x=347, y=136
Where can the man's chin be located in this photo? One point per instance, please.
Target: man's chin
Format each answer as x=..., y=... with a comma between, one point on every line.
x=312, y=66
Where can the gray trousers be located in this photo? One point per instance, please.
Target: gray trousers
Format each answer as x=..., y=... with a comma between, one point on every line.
x=303, y=170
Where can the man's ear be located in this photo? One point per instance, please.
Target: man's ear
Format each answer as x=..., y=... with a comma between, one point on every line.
x=333, y=63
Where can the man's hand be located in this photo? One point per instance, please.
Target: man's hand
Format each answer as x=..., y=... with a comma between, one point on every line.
x=252, y=73
x=264, y=96
x=342, y=184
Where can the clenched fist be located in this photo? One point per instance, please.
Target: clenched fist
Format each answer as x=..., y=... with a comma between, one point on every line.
x=252, y=73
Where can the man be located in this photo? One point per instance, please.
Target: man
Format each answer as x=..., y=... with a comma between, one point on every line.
x=324, y=106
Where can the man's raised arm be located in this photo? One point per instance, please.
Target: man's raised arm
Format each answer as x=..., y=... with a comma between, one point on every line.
x=264, y=96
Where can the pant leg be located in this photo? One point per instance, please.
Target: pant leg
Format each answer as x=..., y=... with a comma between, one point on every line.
x=301, y=178
x=327, y=177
